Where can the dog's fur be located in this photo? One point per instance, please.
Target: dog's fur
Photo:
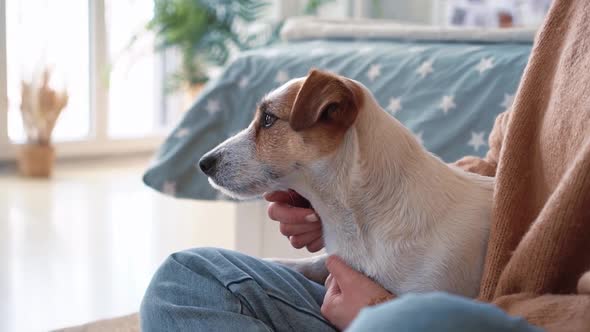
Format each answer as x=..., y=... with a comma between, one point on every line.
x=388, y=207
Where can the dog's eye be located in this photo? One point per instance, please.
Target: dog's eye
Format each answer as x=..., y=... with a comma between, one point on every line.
x=268, y=120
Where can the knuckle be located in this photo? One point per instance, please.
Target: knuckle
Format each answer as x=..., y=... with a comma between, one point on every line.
x=316, y=231
x=285, y=230
x=297, y=242
x=270, y=211
x=316, y=245
x=273, y=211
x=312, y=248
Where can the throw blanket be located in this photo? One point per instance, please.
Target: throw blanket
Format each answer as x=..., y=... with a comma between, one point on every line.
x=539, y=244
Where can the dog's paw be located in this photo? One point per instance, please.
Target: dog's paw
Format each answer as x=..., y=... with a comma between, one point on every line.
x=313, y=268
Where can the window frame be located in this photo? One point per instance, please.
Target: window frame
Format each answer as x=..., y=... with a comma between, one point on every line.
x=4, y=140
x=97, y=142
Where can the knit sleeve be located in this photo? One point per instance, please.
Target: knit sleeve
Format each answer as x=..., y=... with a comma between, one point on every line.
x=487, y=165
x=551, y=312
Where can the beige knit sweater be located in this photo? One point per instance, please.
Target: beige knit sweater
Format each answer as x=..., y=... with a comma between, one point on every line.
x=540, y=154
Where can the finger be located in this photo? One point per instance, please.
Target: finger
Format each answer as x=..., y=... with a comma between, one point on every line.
x=335, y=287
x=329, y=281
x=316, y=245
x=300, y=229
x=290, y=197
x=291, y=215
x=344, y=275
x=332, y=287
x=300, y=241
x=278, y=196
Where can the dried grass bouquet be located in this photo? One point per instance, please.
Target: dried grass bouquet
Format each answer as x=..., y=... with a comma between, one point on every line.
x=40, y=108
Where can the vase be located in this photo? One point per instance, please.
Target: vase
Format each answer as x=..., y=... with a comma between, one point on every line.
x=36, y=160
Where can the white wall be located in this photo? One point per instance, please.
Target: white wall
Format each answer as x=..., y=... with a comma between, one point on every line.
x=416, y=11
x=336, y=9
x=287, y=8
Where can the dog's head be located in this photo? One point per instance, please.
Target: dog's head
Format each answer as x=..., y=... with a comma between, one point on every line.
x=298, y=124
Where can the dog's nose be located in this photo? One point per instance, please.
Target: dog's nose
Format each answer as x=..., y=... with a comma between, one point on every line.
x=208, y=164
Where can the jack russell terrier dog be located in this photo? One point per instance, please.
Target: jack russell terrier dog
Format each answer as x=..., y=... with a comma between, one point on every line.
x=388, y=207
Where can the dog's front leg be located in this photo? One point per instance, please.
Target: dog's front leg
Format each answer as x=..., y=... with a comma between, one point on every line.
x=313, y=268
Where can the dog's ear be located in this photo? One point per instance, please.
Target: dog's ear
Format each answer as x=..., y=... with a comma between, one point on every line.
x=325, y=98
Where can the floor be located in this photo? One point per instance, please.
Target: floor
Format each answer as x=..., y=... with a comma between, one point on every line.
x=83, y=245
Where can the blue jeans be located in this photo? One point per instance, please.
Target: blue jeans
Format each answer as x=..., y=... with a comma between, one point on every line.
x=209, y=289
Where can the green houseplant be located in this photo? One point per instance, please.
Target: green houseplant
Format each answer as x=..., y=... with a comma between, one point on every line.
x=204, y=31
x=207, y=31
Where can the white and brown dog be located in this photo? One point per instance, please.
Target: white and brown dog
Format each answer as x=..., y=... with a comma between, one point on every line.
x=388, y=207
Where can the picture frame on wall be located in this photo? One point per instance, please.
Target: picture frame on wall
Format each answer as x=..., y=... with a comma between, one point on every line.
x=496, y=14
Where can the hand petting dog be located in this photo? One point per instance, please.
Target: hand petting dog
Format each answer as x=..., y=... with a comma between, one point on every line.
x=347, y=292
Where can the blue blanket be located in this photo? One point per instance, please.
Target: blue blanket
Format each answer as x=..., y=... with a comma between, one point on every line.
x=448, y=94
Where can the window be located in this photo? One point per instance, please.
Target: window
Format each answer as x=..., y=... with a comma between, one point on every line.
x=39, y=33
x=134, y=94
x=116, y=95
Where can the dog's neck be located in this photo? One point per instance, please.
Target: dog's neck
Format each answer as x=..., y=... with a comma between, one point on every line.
x=382, y=172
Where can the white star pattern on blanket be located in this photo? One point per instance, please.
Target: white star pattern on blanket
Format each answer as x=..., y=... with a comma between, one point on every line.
x=365, y=49
x=282, y=77
x=374, y=72
x=318, y=51
x=243, y=82
x=447, y=103
x=477, y=140
x=212, y=106
x=271, y=53
x=395, y=104
x=419, y=137
x=181, y=132
x=472, y=49
x=485, y=64
x=507, y=102
x=425, y=68
x=169, y=188
x=417, y=49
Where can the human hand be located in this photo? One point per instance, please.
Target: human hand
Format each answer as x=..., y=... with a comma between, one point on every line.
x=299, y=222
x=347, y=292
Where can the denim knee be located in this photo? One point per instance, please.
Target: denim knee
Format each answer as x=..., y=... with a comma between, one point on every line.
x=437, y=312
x=180, y=282
x=210, y=289
x=194, y=255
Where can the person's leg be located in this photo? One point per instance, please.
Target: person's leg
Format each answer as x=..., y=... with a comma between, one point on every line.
x=210, y=289
x=437, y=312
